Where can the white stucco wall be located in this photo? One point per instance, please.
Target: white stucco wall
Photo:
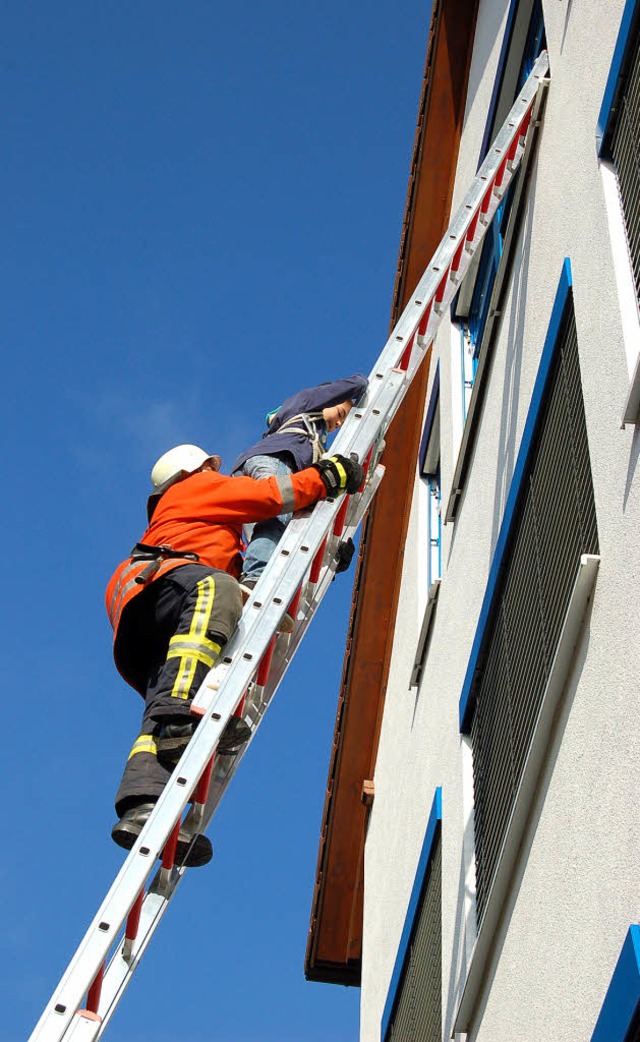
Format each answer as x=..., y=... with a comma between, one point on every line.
x=575, y=891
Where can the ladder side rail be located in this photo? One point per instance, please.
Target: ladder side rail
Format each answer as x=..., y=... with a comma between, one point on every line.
x=424, y=296
x=218, y=697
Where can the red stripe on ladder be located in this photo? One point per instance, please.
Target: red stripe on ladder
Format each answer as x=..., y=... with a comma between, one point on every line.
x=406, y=355
x=455, y=264
x=338, y=524
x=501, y=171
x=471, y=230
x=265, y=664
x=93, y=996
x=202, y=788
x=424, y=321
x=133, y=919
x=484, y=205
x=169, y=852
x=314, y=574
x=524, y=126
x=441, y=288
x=292, y=610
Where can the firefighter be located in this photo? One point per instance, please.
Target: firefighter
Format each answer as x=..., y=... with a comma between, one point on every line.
x=175, y=602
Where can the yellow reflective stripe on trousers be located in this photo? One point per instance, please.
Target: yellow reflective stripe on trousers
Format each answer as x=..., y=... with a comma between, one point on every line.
x=144, y=743
x=197, y=632
x=204, y=650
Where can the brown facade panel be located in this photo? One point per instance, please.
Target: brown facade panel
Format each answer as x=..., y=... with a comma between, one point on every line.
x=335, y=936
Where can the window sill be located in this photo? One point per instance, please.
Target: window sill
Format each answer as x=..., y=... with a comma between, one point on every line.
x=423, y=640
x=571, y=630
x=632, y=404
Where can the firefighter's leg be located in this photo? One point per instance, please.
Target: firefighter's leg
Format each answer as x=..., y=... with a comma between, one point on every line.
x=143, y=780
x=196, y=604
x=209, y=612
x=194, y=610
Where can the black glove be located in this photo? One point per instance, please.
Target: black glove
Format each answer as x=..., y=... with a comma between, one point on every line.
x=344, y=555
x=340, y=474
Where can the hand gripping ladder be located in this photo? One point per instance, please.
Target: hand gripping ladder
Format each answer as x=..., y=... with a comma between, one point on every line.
x=257, y=656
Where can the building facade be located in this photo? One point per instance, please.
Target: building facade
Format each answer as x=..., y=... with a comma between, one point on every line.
x=477, y=873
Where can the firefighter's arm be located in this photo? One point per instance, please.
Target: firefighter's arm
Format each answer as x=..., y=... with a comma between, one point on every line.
x=245, y=500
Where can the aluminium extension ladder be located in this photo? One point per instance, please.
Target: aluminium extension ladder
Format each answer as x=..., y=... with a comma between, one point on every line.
x=257, y=656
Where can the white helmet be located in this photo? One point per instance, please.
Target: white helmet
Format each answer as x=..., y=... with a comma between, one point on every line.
x=182, y=460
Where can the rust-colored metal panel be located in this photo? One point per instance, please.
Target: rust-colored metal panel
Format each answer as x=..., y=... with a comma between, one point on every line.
x=335, y=936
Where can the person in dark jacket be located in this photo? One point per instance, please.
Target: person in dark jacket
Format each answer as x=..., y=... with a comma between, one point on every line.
x=295, y=438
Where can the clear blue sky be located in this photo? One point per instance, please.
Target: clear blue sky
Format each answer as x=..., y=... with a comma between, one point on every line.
x=201, y=210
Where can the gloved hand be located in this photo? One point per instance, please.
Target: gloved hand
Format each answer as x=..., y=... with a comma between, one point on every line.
x=344, y=555
x=340, y=474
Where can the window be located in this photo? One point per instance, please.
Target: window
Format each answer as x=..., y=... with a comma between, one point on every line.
x=477, y=305
x=618, y=139
x=524, y=40
x=413, y=1010
x=619, y=1019
x=619, y=127
x=468, y=366
x=549, y=524
x=540, y=582
x=429, y=470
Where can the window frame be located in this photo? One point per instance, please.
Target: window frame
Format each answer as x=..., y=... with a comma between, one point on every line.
x=481, y=936
x=622, y=1001
x=501, y=237
x=429, y=472
x=628, y=293
x=432, y=832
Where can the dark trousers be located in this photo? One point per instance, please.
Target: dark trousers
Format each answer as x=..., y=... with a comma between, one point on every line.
x=168, y=638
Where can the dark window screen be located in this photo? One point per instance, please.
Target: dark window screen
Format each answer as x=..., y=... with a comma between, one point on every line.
x=554, y=523
x=417, y=1015
x=625, y=152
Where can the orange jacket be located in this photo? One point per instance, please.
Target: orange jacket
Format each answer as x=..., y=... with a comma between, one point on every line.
x=204, y=514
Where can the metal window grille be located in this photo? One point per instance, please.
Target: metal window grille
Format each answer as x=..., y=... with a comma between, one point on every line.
x=625, y=152
x=554, y=523
x=417, y=1016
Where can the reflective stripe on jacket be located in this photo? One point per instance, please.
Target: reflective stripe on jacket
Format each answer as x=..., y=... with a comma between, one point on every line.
x=204, y=514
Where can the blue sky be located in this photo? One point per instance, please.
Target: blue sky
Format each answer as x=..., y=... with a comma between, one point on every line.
x=201, y=210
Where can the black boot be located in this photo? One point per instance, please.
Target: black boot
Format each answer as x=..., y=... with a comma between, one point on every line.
x=192, y=851
x=175, y=736
x=235, y=734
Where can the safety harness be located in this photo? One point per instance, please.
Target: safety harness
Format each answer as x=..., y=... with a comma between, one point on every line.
x=133, y=573
x=156, y=555
x=307, y=424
